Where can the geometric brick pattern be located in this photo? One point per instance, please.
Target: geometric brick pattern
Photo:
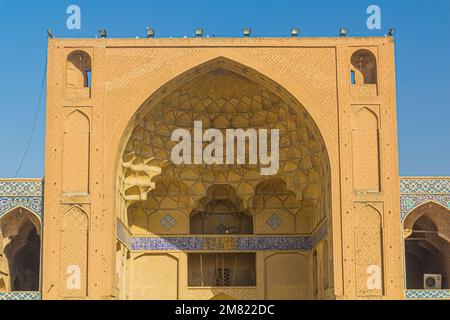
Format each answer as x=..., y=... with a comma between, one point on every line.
x=368, y=250
x=74, y=245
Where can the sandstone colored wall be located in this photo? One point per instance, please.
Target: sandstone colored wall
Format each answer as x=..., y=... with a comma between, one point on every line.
x=86, y=134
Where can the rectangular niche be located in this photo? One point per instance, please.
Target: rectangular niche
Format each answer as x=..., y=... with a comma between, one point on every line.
x=76, y=153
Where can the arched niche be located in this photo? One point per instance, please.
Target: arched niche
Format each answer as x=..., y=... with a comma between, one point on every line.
x=363, y=68
x=222, y=94
x=74, y=242
x=20, y=246
x=207, y=73
x=221, y=212
x=369, y=254
x=226, y=102
x=279, y=210
x=427, y=245
x=78, y=70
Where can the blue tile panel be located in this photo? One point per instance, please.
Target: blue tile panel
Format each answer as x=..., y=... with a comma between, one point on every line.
x=20, y=296
x=408, y=202
x=222, y=243
x=22, y=188
x=434, y=186
x=25, y=194
x=416, y=192
x=428, y=294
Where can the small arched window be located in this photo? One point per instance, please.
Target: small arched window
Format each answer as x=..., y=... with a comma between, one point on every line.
x=363, y=68
x=79, y=71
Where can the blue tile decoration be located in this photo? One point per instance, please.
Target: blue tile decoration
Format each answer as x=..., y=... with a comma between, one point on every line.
x=250, y=243
x=415, y=192
x=427, y=294
x=225, y=243
x=25, y=194
x=274, y=243
x=20, y=296
x=425, y=186
x=219, y=244
x=22, y=188
x=274, y=221
x=168, y=222
x=166, y=243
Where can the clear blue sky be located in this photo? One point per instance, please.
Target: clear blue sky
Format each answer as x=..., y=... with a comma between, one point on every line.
x=423, y=58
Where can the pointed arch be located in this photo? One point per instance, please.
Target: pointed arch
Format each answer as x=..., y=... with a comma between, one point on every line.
x=369, y=217
x=221, y=212
x=367, y=119
x=191, y=68
x=269, y=93
x=20, y=253
x=418, y=211
x=364, y=67
x=427, y=244
x=33, y=216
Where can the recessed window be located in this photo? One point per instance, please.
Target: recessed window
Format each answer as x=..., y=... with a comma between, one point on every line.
x=222, y=270
x=79, y=72
x=364, y=68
